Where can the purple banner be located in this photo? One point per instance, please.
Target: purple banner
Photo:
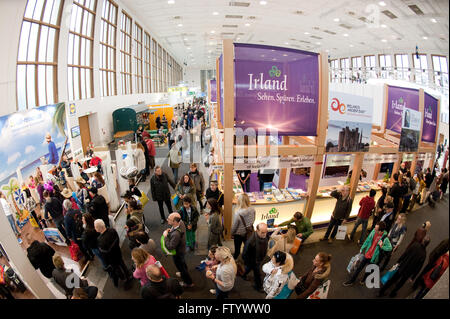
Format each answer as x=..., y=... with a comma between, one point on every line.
x=276, y=88
x=221, y=89
x=430, y=119
x=213, y=86
x=398, y=99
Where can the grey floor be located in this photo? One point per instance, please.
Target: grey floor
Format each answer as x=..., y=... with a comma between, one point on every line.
x=341, y=251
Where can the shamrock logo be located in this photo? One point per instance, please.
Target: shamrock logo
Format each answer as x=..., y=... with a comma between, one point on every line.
x=273, y=211
x=400, y=100
x=275, y=72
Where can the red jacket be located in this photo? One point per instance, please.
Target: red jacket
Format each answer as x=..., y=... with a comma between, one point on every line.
x=367, y=205
x=151, y=147
x=95, y=161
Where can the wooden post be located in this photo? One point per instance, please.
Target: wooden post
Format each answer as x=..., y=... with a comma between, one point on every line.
x=385, y=109
x=396, y=166
x=322, y=124
x=283, y=171
x=376, y=171
x=228, y=159
x=357, y=165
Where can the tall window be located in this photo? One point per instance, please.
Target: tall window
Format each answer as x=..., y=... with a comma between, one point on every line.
x=356, y=62
x=37, y=56
x=440, y=68
x=80, y=52
x=154, y=66
x=108, y=65
x=345, y=66
x=164, y=70
x=138, y=59
x=402, y=66
x=334, y=70
x=385, y=65
x=125, y=53
x=421, y=66
x=147, y=63
x=160, y=79
x=369, y=63
x=356, y=68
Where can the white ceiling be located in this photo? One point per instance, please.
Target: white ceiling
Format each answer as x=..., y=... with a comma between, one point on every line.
x=297, y=24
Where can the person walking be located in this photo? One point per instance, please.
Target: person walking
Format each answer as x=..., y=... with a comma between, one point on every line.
x=214, y=220
x=159, y=185
x=190, y=216
x=9, y=215
x=302, y=224
x=255, y=250
x=225, y=274
x=175, y=238
x=420, y=233
x=409, y=265
x=174, y=156
x=199, y=182
x=410, y=188
x=375, y=242
x=396, y=236
x=367, y=205
x=142, y=260
x=340, y=213
x=315, y=277
x=159, y=287
x=444, y=181
x=244, y=217
x=397, y=191
x=109, y=246
x=151, y=149
x=388, y=217
x=277, y=273
x=185, y=188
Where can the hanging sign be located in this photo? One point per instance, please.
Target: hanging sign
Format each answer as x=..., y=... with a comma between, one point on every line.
x=430, y=119
x=408, y=157
x=372, y=159
x=213, y=86
x=398, y=99
x=350, y=123
x=276, y=88
x=411, y=124
x=424, y=156
x=273, y=162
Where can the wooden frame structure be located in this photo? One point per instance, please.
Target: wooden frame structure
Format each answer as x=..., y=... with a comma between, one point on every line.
x=383, y=141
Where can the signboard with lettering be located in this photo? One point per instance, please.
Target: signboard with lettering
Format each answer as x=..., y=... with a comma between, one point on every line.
x=400, y=98
x=273, y=162
x=411, y=124
x=372, y=159
x=430, y=119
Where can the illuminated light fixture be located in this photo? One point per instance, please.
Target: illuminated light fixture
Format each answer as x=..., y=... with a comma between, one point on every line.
x=336, y=20
x=274, y=59
x=212, y=31
x=188, y=48
x=263, y=3
x=351, y=45
x=285, y=54
x=185, y=39
x=247, y=24
x=215, y=13
x=287, y=43
x=425, y=38
x=262, y=55
x=318, y=43
x=383, y=40
x=306, y=33
x=209, y=51
x=383, y=26
x=382, y=3
x=171, y=1
x=327, y=50
x=345, y=34
x=433, y=20
x=238, y=39
x=180, y=25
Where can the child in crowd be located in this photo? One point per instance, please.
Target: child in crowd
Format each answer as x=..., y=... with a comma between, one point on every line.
x=210, y=263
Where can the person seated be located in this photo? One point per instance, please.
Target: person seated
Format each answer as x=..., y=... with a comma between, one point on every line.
x=96, y=162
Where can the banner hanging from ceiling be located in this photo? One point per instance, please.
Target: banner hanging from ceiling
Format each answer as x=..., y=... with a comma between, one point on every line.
x=276, y=88
x=213, y=86
x=400, y=98
x=350, y=123
x=430, y=119
x=411, y=124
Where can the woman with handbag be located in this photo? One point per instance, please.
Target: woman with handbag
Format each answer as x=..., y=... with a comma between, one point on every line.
x=215, y=227
x=315, y=277
x=277, y=273
x=244, y=217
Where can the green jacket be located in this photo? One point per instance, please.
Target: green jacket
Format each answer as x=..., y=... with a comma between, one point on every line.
x=304, y=226
x=366, y=246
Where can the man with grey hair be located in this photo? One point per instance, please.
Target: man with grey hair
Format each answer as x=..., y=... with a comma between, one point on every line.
x=73, y=224
x=109, y=246
x=160, y=287
x=175, y=238
x=340, y=213
x=255, y=251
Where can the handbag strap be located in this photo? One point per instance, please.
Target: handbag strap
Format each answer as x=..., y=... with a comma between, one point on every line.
x=243, y=221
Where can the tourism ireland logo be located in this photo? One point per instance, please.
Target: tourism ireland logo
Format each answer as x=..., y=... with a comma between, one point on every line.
x=429, y=113
x=275, y=72
x=338, y=106
x=273, y=213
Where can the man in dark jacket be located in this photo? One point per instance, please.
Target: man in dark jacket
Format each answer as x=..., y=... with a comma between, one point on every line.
x=53, y=206
x=214, y=192
x=109, y=245
x=40, y=256
x=175, y=238
x=98, y=206
x=159, y=287
x=255, y=250
x=397, y=191
x=340, y=213
x=409, y=265
x=199, y=182
x=159, y=185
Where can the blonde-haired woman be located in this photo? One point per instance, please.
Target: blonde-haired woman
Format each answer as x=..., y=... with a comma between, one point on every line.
x=142, y=259
x=277, y=273
x=396, y=236
x=244, y=217
x=225, y=273
x=282, y=242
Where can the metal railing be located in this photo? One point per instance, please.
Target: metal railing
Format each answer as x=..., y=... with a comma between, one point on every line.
x=427, y=77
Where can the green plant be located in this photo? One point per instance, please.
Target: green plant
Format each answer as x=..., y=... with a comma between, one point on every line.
x=59, y=118
x=387, y=177
x=13, y=185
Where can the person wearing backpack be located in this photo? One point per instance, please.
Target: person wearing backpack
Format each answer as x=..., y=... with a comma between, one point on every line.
x=377, y=240
x=315, y=277
x=411, y=183
x=160, y=287
x=244, y=217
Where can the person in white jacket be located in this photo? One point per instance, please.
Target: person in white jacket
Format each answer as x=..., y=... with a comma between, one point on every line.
x=225, y=273
x=277, y=273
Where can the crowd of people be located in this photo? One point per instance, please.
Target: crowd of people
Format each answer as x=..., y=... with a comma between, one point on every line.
x=83, y=219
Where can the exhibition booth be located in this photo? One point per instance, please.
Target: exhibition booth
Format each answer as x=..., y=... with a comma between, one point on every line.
x=323, y=139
